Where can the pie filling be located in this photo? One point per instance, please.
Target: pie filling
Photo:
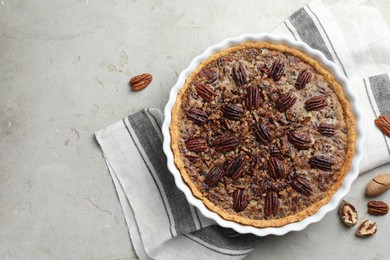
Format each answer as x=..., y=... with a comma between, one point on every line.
x=262, y=134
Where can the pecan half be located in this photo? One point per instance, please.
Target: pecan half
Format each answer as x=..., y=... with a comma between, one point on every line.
x=303, y=78
x=205, y=92
x=300, y=186
x=228, y=125
x=252, y=100
x=271, y=206
x=213, y=176
x=239, y=74
x=366, y=229
x=232, y=111
x=198, y=116
x=262, y=134
x=276, y=70
x=377, y=207
x=316, y=103
x=299, y=140
x=236, y=168
x=275, y=152
x=196, y=145
x=140, y=82
x=321, y=162
x=348, y=214
x=383, y=123
x=192, y=157
x=276, y=168
x=286, y=101
x=226, y=142
x=326, y=129
x=240, y=200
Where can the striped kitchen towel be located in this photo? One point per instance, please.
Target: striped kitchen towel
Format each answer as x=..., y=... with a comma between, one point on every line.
x=162, y=225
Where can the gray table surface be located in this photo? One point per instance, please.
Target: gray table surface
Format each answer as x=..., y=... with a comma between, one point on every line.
x=64, y=71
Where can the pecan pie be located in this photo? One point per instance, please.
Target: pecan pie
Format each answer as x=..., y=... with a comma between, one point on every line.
x=263, y=134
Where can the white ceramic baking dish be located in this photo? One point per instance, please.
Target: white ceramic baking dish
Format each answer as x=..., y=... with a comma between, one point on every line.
x=350, y=177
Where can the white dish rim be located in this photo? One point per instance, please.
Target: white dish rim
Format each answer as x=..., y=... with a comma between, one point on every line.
x=349, y=178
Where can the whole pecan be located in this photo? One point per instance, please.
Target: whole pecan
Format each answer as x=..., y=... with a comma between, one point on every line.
x=276, y=168
x=232, y=111
x=271, y=206
x=252, y=99
x=322, y=162
x=262, y=134
x=226, y=142
x=240, y=200
x=348, y=214
x=378, y=185
x=300, y=186
x=236, y=167
x=140, y=81
x=197, y=116
x=213, y=176
x=196, y=145
x=276, y=70
x=299, y=140
x=326, y=129
x=286, y=101
x=239, y=74
x=383, y=123
x=316, y=103
x=366, y=229
x=377, y=207
x=303, y=78
x=205, y=92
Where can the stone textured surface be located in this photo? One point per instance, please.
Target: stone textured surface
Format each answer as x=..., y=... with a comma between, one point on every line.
x=64, y=71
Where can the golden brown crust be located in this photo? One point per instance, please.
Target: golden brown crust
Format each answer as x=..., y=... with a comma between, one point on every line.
x=348, y=115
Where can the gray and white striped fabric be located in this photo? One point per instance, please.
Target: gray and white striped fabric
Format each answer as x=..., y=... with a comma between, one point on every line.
x=162, y=225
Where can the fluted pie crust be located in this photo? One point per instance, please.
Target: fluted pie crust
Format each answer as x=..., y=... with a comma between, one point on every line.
x=180, y=160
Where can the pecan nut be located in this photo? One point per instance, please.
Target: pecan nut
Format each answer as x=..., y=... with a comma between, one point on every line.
x=276, y=168
x=198, y=116
x=303, y=78
x=322, y=162
x=252, y=100
x=271, y=206
x=286, y=101
x=239, y=74
x=226, y=142
x=326, y=129
x=316, y=103
x=299, y=140
x=140, y=82
x=366, y=229
x=206, y=92
x=275, y=152
x=348, y=214
x=192, y=157
x=262, y=134
x=276, y=70
x=232, y=111
x=378, y=185
x=240, y=200
x=300, y=186
x=214, y=176
x=377, y=207
x=196, y=145
x=383, y=123
x=236, y=168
